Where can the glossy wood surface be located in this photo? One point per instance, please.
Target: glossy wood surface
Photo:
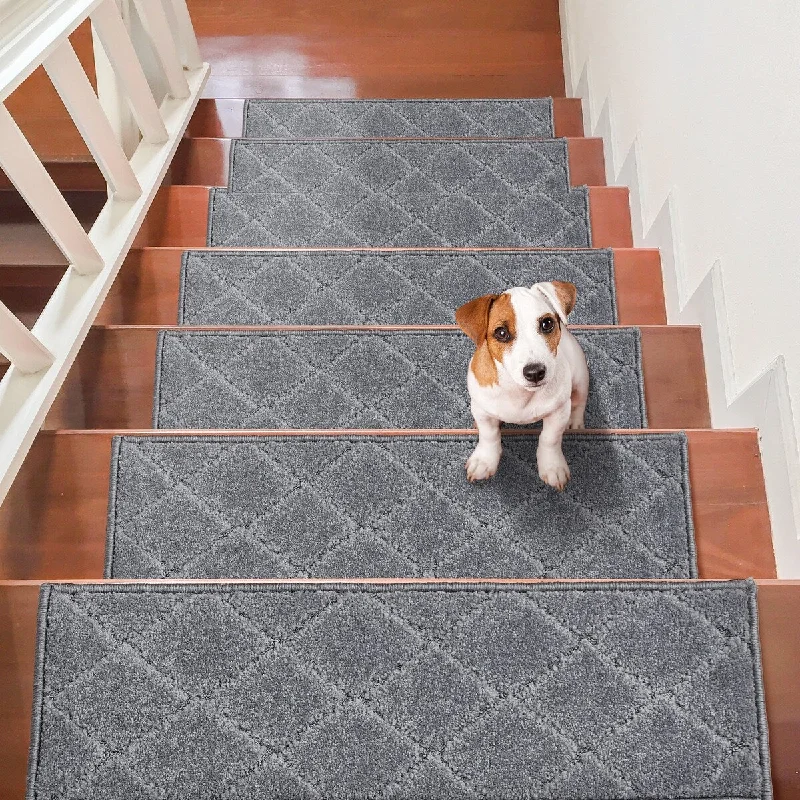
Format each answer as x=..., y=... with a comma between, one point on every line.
x=53, y=523
x=778, y=606
x=346, y=48
x=111, y=382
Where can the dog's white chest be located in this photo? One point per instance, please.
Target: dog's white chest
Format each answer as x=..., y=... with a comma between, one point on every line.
x=515, y=405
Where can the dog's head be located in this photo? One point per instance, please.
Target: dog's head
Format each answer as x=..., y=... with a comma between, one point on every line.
x=518, y=331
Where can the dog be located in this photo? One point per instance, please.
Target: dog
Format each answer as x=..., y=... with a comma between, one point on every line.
x=527, y=367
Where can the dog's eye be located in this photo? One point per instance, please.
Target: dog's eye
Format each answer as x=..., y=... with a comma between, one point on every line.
x=502, y=334
x=547, y=324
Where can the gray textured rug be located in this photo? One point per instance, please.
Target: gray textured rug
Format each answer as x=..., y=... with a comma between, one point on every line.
x=558, y=692
x=399, y=194
x=331, y=119
x=367, y=287
x=364, y=506
x=334, y=379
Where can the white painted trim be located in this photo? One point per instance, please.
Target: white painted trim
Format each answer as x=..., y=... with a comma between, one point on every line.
x=20, y=346
x=67, y=317
x=73, y=87
x=24, y=49
x=764, y=403
x=116, y=41
x=156, y=25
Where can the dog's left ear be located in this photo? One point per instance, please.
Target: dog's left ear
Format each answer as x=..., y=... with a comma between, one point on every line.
x=473, y=317
x=561, y=295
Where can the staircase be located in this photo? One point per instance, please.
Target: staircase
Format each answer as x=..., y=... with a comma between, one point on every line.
x=245, y=529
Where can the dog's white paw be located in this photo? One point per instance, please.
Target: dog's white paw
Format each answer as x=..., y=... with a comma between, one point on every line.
x=482, y=463
x=553, y=469
x=576, y=421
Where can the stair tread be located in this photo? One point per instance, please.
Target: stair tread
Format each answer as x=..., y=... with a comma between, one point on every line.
x=382, y=506
x=405, y=117
x=330, y=379
x=384, y=288
x=385, y=193
x=412, y=687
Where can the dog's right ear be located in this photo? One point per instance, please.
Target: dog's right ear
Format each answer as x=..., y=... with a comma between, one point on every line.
x=473, y=317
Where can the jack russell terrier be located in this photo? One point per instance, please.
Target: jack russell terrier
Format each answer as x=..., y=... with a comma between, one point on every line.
x=527, y=367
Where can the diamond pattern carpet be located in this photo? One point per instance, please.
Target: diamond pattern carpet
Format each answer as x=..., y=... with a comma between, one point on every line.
x=372, y=506
x=331, y=119
x=399, y=194
x=559, y=692
x=335, y=379
x=367, y=287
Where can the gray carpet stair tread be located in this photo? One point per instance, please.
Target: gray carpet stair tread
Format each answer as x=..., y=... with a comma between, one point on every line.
x=384, y=288
x=335, y=379
x=396, y=506
x=399, y=194
x=559, y=692
x=325, y=119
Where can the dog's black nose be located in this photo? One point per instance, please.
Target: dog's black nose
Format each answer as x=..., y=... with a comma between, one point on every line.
x=534, y=372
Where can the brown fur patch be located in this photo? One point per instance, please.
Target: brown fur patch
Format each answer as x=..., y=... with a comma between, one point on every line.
x=567, y=294
x=501, y=314
x=479, y=319
x=473, y=317
x=554, y=337
x=483, y=367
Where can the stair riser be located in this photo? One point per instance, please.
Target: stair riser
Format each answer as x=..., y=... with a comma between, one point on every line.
x=53, y=523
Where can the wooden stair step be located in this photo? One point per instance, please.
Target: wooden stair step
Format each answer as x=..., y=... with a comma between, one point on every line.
x=178, y=217
x=53, y=522
x=147, y=289
x=778, y=606
x=111, y=382
x=206, y=162
x=224, y=118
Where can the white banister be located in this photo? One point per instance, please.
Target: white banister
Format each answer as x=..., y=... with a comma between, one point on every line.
x=178, y=14
x=72, y=85
x=23, y=168
x=118, y=46
x=20, y=346
x=156, y=25
x=160, y=51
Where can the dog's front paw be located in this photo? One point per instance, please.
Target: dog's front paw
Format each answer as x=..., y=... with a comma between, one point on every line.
x=553, y=469
x=482, y=463
x=576, y=422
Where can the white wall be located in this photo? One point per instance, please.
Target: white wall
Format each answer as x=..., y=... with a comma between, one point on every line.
x=699, y=103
